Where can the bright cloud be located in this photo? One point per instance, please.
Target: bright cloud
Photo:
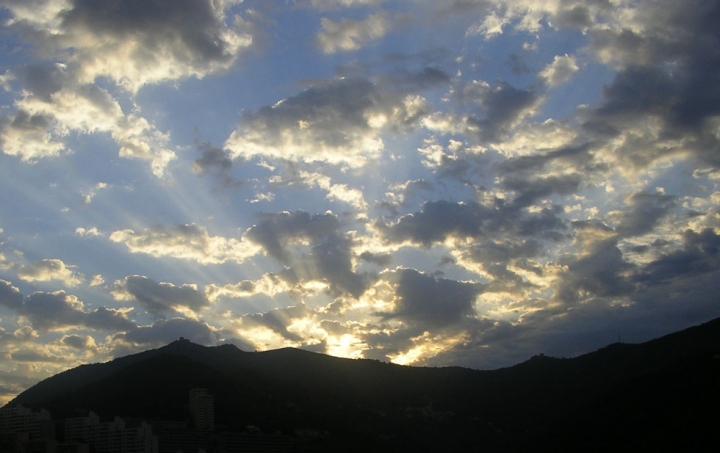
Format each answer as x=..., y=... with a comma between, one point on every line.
x=190, y=242
x=348, y=34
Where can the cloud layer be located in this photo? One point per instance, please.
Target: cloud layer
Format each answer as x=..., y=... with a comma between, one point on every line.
x=430, y=183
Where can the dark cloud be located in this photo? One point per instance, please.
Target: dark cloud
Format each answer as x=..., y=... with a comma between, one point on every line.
x=331, y=254
x=410, y=82
x=577, y=16
x=334, y=109
x=547, y=224
x=276, y=231
x=42, y=81
x=23, y=121
x=14, y=382
x=431, y=302
x=30, y=355
x=699, y=255
x=671, y=73
x=239, y=343
x=602, y=272
x=190, y=29
x=78, y=342
x=498, y=252
x=638, y=90
x=212, y=159
x=502, y=107
x=646, y=211
x=528, y=191
x=217, y=162
x=441, y=219
x=437, y=221
x=165, y=331
x=428, y=77
x=160, y=298
x=333, y=260
x=376, y=258
x=488, y=344
x=10, y=296
x=496, y=256
x=578, y=157
x=58, y=310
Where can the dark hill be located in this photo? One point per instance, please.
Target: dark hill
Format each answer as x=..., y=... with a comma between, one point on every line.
x=623, y=397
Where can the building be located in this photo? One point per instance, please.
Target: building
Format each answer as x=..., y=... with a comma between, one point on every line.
x=202, y=409
x=111, y=437
x=20, y=419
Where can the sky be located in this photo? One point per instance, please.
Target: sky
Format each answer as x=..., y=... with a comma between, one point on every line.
x=429, y=183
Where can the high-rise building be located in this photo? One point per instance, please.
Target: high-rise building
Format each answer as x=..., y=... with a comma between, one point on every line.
x=20, y=419
x=202, y=408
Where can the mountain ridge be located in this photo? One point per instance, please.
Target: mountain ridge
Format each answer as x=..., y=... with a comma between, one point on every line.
x=505, y=410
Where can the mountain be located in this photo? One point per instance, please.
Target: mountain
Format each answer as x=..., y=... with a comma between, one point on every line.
x=624, y=397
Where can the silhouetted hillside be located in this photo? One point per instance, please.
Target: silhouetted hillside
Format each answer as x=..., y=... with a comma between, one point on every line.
x=622, y=397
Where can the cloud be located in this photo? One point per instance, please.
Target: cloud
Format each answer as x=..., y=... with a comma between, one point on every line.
x=437, y=221
x=491, y=26
x=431, y=302
x=167, y=330
x=646, y=211
x=48, y=270
x=559, y=71
x=159, y=298
x=93, y=231
x=381, y=259
x=217, y=162
x=10, y=296
x=523, y=215
x=601, y=272
x=337, y=4
x=349, y=34
x=427, y=78
x=26, y=135
x=270, y=284
x=58, y=311
x=191, y=242
x=503, y=107
x=38, y=355
x=442, y=219
x=45, y=115
x=133, y=43
x=337, y=122
x=79, y=342
x=212, y=159
x=668, y=65
x=43, y=79
x=330, y=255
x=25, y=333
x=341, y=192
x=278, y=320
x=332, y=261
x=507, y=263
x=136, y=42
x=276, y=232
x=700, y=254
